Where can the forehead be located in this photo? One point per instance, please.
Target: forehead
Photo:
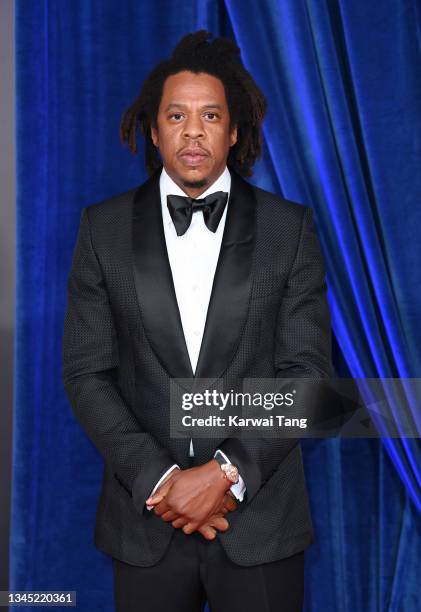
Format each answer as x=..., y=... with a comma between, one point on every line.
x=185, y=87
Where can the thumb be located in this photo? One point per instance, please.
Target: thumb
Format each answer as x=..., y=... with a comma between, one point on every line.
x=154, y=499
x=160, y=493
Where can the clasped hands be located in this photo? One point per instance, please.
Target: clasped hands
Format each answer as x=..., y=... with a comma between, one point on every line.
x=195, y=499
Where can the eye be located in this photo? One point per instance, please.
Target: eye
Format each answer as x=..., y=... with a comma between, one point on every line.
x=213, y=114
x=176, y=115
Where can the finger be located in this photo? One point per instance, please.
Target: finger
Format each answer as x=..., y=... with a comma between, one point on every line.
x=161, y=508
x=207, y=532
x=154, y=499
x=219, y=523
x=227, y=504
x=159, y=494
x=179, y=522
x=189, y=528
x=230, y=503
x=169, y=515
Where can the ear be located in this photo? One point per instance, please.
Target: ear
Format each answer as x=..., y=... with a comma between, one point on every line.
x=154, y=135
x=233, y=136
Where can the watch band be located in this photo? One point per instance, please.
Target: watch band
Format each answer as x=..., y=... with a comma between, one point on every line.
x=219, y=458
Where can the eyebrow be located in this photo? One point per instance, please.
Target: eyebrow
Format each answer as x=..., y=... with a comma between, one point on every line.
x=180, y=105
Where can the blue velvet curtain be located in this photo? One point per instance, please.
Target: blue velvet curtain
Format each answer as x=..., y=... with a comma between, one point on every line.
x=343, y=135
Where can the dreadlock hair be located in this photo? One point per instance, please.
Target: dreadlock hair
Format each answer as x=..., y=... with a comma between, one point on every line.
x=219, y=58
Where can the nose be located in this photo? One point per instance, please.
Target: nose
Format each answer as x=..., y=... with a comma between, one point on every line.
x=193, y=127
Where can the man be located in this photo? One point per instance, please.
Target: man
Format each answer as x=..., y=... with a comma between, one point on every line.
x=195, y=273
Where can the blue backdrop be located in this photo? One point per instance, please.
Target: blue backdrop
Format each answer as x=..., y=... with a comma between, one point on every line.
x=343, y=134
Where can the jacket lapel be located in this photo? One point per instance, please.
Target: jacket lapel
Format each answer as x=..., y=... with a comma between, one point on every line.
x=228, y=306
x=154, y=283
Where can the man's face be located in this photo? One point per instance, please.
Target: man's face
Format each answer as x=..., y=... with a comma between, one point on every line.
x=192, y=131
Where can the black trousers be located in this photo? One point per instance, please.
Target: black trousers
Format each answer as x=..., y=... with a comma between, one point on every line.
x=195, y=570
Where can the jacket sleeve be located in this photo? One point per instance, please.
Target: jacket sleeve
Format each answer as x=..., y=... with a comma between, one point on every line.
x=302, y=350
x=90, y=360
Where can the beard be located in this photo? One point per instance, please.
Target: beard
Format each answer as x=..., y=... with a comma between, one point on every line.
x=195, y=184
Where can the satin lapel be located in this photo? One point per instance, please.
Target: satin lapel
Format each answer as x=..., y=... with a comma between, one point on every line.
x=154, y=282
x=228, y=306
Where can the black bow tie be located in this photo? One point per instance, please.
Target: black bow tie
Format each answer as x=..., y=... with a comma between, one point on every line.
x=182, y=208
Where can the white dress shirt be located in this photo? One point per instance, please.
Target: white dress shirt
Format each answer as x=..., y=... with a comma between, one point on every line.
x=193, y=259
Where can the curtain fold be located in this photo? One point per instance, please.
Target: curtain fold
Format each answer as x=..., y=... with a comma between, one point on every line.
x=343, y=135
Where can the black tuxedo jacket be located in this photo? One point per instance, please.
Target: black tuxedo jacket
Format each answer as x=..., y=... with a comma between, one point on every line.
x=123, y=342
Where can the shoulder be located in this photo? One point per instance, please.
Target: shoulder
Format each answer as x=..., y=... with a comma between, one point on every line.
x=109, y=220
x=273, y=209
x=271, y=205
x=273, y=201
x=114, y=209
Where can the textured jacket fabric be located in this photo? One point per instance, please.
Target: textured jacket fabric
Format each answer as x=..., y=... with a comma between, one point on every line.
x=123, y=343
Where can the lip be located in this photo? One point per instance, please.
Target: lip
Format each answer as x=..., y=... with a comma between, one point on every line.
x=193, y=157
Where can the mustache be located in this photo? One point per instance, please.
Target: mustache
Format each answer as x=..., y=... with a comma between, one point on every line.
x=193, y=150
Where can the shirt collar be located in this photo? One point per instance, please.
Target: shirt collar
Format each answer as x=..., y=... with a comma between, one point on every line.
x=167, y=187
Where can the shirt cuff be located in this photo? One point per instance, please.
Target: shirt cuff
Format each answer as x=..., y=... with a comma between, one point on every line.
x=239, y=488
x=160, y=480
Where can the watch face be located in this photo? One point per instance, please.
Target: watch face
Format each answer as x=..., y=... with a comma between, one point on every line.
x=231, y=472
